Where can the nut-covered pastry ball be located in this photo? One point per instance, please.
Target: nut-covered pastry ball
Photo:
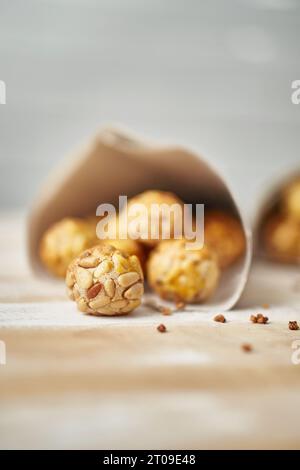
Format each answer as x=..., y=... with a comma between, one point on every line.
x=281, y=238
x=63, y=241
x=224, y=234
x=146, y=222
x=105, y=281
x=178, y=274
x=131, y=247
x=291, y=200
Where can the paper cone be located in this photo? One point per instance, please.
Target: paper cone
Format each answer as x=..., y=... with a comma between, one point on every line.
x=118, y=163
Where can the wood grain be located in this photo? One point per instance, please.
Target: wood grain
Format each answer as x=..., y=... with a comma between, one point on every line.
x=119, y=383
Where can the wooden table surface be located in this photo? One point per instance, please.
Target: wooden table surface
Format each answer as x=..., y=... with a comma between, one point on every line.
x=74, y=381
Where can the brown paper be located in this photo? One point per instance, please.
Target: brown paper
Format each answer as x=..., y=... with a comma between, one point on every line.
x=117, y=163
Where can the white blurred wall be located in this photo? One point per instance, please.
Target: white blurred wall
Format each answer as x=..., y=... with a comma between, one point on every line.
x=215, y=74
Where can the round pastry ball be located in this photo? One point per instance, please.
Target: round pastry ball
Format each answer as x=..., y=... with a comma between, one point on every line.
x=281, y=238
x=105, y=281
x=291, y=200
x=178, y=274
x=224, y=234
x=63, y=241
x=146, y=222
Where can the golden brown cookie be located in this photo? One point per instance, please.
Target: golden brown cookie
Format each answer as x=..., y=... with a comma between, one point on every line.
x=105, y=281
x=176, y=273
x=224, y=234
x=281, y=238
x=63, y=241
x=149, y=229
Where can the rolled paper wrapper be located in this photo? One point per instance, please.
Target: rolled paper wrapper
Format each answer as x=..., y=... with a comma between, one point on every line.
x=116, y=162
x=274, y=206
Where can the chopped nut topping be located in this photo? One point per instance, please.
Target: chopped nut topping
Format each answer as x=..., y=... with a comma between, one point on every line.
x=247, y=347
x=293, y=325
x=259, y=318
x=161, y=328
x=220, y=318
x=94, y=290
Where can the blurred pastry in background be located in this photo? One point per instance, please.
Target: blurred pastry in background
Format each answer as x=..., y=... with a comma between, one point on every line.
x=291, y=200
x=66, y=239
x=281, y=238
x=63, y=241
x=224, y=234
x=280, y=229
x=175, y=270
x=178, y=274
x=148, y=224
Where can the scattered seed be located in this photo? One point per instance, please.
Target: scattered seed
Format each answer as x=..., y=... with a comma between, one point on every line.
x=247, y=347
x=293, y=325
x=259, y=318
x=220, y=318
x=161, y=328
